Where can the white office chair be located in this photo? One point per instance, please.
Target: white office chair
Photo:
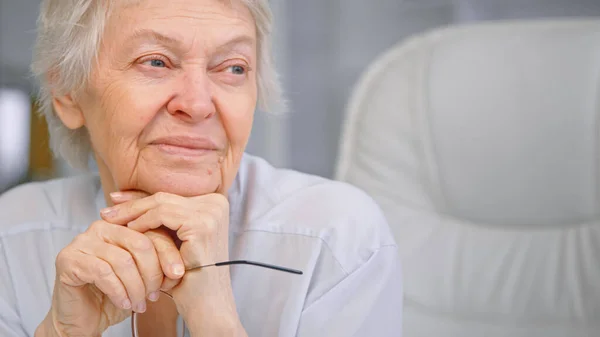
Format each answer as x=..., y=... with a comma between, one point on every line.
x=482, y=145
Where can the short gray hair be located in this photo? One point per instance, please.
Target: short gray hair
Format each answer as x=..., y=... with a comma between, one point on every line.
x=69, y=35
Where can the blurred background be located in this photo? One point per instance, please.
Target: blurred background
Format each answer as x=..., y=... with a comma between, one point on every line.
x=480, y=144
x=321, y=47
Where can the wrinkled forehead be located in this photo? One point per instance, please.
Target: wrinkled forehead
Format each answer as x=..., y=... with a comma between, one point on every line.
x=232, y=10
x=137, y=2
x=217, y=23
x=236, y=6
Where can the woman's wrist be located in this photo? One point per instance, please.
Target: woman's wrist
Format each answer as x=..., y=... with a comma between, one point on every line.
x=212, y=315
x=210, y=309
x=218, y=322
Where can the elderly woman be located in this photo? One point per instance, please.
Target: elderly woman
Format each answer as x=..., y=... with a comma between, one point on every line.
x=162, y=95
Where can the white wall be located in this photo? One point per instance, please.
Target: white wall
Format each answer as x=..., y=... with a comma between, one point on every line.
x=17, y=21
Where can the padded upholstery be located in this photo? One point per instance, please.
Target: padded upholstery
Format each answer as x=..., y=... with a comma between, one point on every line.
x=481, y=143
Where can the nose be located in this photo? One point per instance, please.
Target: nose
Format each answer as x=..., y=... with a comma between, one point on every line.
x=194, y=99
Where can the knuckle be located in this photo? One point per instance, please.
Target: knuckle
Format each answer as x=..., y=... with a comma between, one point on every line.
x=210, y=226
x=96, y=226
x=142, y=243
x=220, y=200
x=152, y=235
x=156, y=279
x=82, y=240
x=160, y=242
x=121, y=260
x=161, y=210
x=63, y=259
x=103, y=271
x=126, y=260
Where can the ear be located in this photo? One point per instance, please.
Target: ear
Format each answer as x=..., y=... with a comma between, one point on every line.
x=68, y=111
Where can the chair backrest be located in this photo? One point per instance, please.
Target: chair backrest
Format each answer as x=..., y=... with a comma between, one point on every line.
x=482, y=145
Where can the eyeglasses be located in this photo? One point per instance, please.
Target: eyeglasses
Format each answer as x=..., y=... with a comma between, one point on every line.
x=134, y=318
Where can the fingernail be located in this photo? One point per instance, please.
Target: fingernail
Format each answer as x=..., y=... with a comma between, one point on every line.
x=154, y=296
x=116, y=195
x=126, y=304
x=178, y=270
x=109, y=212
x=140, y=308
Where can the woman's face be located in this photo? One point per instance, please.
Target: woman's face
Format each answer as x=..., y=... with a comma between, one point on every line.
x=172, y=97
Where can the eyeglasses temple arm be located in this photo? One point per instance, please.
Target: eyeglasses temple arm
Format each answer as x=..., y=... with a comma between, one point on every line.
x=252, y=263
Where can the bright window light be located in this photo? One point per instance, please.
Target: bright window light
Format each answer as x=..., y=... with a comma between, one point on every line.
x=15, y=121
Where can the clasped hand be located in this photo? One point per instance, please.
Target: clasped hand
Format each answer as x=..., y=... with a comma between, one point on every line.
x=142, y=245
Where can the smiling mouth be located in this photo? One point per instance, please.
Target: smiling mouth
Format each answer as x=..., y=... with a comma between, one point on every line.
x=180, y=150
x=185, y=146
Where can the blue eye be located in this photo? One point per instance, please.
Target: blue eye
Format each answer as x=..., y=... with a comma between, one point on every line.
x=238, y=70
x=157, y=63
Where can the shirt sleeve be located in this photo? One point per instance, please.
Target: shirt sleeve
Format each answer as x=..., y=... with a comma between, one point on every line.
x=368, y=302
x=10, y=320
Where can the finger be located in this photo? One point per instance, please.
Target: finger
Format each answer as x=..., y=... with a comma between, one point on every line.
x=199, y=229
x=124, y=196
x=169, y=284
x=124, y=213
x=89, y=269
x=170, y=216
x=140, y=248
x=168, y=254
x=124, y=266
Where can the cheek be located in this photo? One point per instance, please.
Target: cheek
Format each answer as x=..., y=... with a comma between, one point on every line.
x=238, y=124
x=118, y=116
x=127, y=111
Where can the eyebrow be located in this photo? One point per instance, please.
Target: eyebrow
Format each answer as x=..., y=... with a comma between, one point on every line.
x=152, y=35
x=238, y=40
x=174, y=42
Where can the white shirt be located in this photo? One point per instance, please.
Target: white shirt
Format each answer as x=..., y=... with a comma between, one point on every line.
x=331, y=231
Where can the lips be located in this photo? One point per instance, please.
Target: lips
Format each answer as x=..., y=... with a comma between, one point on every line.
x=185, y=145
x=194, y=143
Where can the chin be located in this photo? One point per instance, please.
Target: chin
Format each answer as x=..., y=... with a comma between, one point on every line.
x=185, y=184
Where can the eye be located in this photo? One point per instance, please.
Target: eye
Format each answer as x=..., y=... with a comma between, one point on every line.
x=234, y=72
x=237, y=70
x=157, y=63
